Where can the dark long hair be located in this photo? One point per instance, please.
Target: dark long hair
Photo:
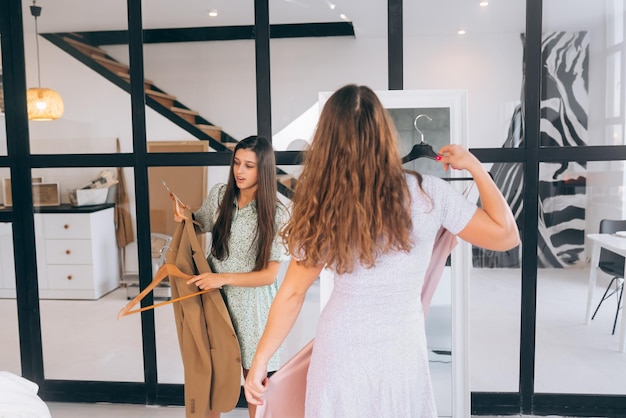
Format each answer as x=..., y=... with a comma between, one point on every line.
x=265, y=202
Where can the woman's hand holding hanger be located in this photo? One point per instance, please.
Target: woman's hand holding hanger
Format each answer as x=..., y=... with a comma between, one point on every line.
x=179, y=209
x=456, y=157
x=179, y=206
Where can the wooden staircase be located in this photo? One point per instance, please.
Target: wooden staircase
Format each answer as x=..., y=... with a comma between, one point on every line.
x=165, y=104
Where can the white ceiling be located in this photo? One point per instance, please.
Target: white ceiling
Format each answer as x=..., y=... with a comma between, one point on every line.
x=434, y=17
x=368, y=16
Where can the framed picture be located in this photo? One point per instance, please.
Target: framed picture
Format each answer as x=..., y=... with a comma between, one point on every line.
x=44, y=194
x=6, y=192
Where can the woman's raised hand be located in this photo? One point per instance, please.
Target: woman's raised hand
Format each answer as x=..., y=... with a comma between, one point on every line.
x=493, y=225
x=459, y=158
x=179, y=208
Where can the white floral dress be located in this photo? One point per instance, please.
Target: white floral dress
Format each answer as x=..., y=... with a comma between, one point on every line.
x=248, y=306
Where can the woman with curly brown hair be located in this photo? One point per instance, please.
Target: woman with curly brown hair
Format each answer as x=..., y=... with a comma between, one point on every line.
x=360, y=214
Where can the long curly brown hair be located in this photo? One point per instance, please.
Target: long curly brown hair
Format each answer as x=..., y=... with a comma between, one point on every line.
x=351, y=202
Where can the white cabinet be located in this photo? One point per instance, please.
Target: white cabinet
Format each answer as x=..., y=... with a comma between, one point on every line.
x=77, y=255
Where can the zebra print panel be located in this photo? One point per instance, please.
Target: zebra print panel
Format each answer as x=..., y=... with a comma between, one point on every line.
x=562, y=187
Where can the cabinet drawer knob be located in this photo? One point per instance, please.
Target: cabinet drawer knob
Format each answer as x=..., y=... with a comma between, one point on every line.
x=69, y=277
x=66, y=226
x=68, y=252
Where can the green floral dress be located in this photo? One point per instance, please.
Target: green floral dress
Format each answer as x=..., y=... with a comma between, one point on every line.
x=248, y=306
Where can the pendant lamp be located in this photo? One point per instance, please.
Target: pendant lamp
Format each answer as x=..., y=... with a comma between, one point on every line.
x=42, y=103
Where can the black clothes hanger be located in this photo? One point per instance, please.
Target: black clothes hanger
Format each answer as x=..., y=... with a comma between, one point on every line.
x=422, y=149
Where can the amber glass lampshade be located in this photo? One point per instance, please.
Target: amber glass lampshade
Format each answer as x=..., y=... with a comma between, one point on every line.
x=43, y=104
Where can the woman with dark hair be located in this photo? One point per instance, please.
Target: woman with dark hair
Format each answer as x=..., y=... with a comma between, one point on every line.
x=360, y=214
x=244, y=217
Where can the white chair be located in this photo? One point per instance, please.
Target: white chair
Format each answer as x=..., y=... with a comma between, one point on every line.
x=159, y=244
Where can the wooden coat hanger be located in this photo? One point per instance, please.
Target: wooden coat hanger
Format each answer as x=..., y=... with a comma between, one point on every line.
x=422, y=149
x=164, y=271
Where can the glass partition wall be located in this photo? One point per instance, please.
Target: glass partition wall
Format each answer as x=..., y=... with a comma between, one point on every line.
x=81, y=262
x=579, y=344
x=525, y=350
x=11, y=358
x=579, y=317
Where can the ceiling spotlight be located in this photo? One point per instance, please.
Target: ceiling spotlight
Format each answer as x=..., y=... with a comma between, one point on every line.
x=344, y=17
x=484, y=3
x=332, y=6
x=461, y=32
x=213, y=13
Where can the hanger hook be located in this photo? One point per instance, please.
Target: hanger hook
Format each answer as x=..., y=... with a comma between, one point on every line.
x=418, y=129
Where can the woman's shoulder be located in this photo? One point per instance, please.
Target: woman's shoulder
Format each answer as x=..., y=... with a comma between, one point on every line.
x=281, y=211
x=429, y=182
x=432, y=188
x=217, y=191
x=219, y=187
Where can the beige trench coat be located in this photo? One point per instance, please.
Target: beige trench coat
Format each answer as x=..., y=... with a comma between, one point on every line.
x=208, y=343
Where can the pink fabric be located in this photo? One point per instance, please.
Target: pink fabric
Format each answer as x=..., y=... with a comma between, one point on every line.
x=444, y=244
x=287, y=387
